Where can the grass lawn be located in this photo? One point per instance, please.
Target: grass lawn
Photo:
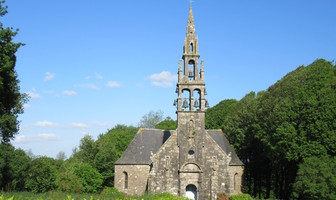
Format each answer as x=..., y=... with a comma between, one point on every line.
x=55, y=195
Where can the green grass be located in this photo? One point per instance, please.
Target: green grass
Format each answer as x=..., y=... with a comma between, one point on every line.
x=56, y=195
x=47, y=196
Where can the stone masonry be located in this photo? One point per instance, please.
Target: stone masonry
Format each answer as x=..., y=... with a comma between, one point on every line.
x=189, y=161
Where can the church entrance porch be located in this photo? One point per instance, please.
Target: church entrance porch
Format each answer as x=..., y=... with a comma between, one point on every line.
x=191, y=192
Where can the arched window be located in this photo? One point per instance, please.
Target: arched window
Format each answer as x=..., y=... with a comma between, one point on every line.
x=125, y=180
x=186, y=99
x=191, y=47
x=235, y=182
x=191, y=70
x=197, y=99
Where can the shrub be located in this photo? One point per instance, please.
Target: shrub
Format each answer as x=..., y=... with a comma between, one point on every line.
x=241, y=197
x=89, y=177
x=41, y=175
x=69, y=182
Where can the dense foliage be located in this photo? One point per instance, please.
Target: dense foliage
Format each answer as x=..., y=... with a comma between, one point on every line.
x=11, y=100
x=14, y=164
x=214, y=117
x=167, y=124
x=41, y=176
x=277, y=131
x=316, y=179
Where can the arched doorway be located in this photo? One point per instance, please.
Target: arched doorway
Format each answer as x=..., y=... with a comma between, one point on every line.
x=191, y=192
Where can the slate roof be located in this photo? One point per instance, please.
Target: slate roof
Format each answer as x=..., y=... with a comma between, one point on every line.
x=150, y=140
x=221, y=140
x=143, y=143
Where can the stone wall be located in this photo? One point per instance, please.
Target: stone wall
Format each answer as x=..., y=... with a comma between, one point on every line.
x=210, y=175
x=131, y=179
x=164, y=174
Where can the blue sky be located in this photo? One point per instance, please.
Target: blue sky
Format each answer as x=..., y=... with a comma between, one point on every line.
x=89, y=65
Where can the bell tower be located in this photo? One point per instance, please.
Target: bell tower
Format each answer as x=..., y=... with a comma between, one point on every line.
x=191, y=103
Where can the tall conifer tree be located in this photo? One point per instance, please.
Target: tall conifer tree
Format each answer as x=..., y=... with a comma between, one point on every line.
x=11, y=100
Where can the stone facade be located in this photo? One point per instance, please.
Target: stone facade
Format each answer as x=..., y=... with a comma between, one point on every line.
x=132, y=179
x=189, y=161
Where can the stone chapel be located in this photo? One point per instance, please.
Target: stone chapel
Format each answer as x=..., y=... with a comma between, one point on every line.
x=189, y=161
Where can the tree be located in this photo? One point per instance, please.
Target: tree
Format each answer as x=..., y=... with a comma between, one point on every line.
x=215, y=116
x=89, y=177
x=167, y=124
x=41, y=175
x=18, y=167
x=61, y=156
x=11, y=100
x=110, y=148
x=276, y=130
x=151, y=119
x=316, y=179
x=68, y=182
x=14, y=164
x=87, y=150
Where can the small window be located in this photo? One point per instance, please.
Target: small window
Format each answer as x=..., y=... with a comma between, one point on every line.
x=235, y=182
x=191, y=152
x=125, y=180
x=191, y=47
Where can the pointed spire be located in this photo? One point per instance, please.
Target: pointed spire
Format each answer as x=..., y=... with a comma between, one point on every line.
x=191, y=24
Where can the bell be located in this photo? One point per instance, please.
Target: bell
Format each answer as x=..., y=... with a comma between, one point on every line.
x=185, y=104
x=196, y=104
x=191, y=73
x=206, y=104
x=175, y=102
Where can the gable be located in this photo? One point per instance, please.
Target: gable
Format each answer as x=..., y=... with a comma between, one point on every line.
x=144, y=143
x=219, y=137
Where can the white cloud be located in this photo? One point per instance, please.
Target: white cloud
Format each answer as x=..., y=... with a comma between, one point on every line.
x=45, y=124
x=163, y=79
x=70, y=92
x=98, y=76
x=33, y=95
x=77, y=125
x=87, y=86
x=49, y=76
x=113, y=84
x=43, y=137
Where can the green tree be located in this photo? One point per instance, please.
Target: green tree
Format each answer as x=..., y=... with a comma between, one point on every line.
x=89, y=177
x=274, y=131
x=87, y=150
x=151, y=119
x=215, y=116
x=6, y=151
x=167, y=124
x=316, y=179
x=18, y=166
x=11, y=100
x=41, y=175
x=68, y=182
x=111, y=146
